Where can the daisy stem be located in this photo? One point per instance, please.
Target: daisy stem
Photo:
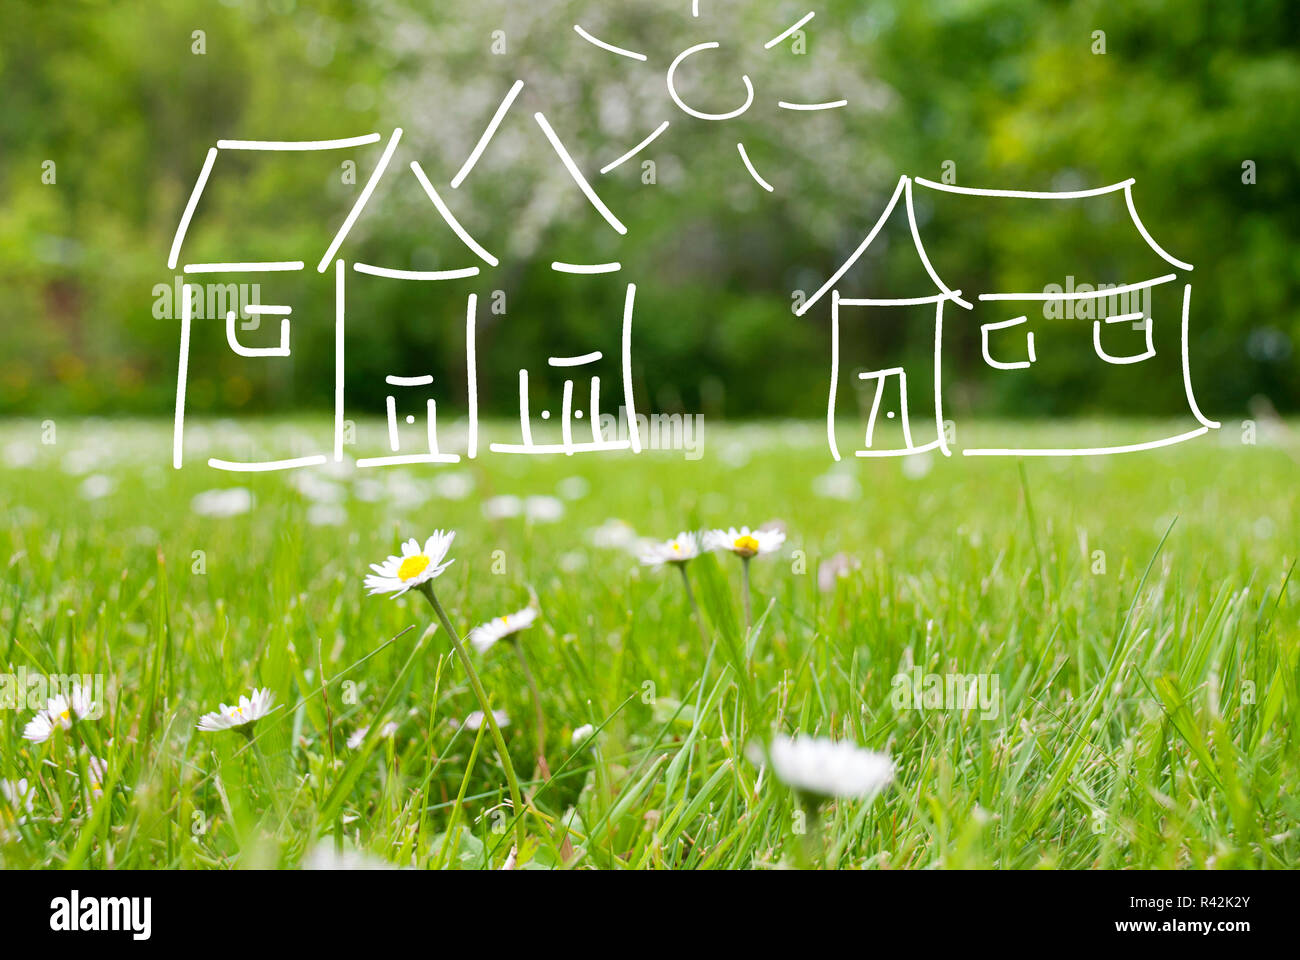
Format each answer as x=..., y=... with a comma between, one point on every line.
x=542, y=765
x=265, y=770
x=477, y=685
x=811, y=841
x=749, y=616
x=695, y=607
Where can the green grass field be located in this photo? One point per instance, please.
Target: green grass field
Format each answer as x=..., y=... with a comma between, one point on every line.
x=1133, y=611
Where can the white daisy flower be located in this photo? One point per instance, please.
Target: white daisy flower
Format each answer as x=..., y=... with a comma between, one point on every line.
x=744, y=543
x=81, y=703
x=359, y=736
x=456, y=485
x=96, y=769
x=96, y=486
x=485, y=636
x=19, y=454
x=542, y=509
x=681, y=548
x=613, y=534
x=573, y=488
x=475, y=719
x=240, y=716
x=415, y=566
x=229, y=502
x=502, y=507
x=829, y=572
x=18, y=797
x=39, y=728
x=326, y=515
x=324, y=857
x=581, y=734
x=316, y=488
x=59, y=713
x=820, y=766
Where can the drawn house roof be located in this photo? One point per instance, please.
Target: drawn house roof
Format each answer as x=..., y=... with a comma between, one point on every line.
x=477, y=255
x=543, y=143
x=903, y=196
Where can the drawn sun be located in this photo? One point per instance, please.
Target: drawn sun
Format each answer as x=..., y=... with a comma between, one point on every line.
x=743, y=105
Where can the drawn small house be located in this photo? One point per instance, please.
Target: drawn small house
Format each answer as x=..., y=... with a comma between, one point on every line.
x=1101, y=320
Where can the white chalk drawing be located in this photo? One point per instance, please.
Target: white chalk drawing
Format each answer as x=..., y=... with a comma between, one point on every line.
x=742, y=103
x=413, y=394
x=998, y=347
x=590, y=378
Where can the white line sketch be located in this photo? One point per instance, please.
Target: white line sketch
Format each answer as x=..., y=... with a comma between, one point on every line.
x=882, y=377
x=1002, y=325
x=586, y=268
x=1001, y=356
x=635, y=150
x=264, y=466
x=486, y=136
x=1146, y=354
x=622, y=52
x=232, y=338
x=450, y=218
x=394, y=274
x=744, y=156
x=790, y=32
x=700, y=114
x=571, y=415
x=1007, y=339
x=299, y=144
x=420, y=381
x=577, y=361
x=399, y=384
x=743, y=104
x=578, y=178
x=375, y=176
x=828, y=105
x=265, y=266
x=432, y=455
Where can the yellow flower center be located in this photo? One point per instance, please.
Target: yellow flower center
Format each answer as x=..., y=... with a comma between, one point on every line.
x=746, y=545
x=412, y=567
x=677, y=547
x=65, y=716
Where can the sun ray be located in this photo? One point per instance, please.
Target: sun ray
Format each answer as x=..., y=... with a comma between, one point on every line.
x=789, y=32
x=621, y=51
x=750, y=167
x=828, y=105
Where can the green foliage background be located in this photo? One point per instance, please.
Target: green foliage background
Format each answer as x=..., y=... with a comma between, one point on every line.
x=1011, y=93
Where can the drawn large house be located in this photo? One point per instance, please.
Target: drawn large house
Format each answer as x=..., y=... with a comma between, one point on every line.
x=1115, y=322
x=560, y=399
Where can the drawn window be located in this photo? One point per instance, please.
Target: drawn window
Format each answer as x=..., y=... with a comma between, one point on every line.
x=1135, y=321
x=1007, y=364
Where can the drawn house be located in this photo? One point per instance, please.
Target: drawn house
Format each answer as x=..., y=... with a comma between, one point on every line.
x=412, y=396
x=1013, y=332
